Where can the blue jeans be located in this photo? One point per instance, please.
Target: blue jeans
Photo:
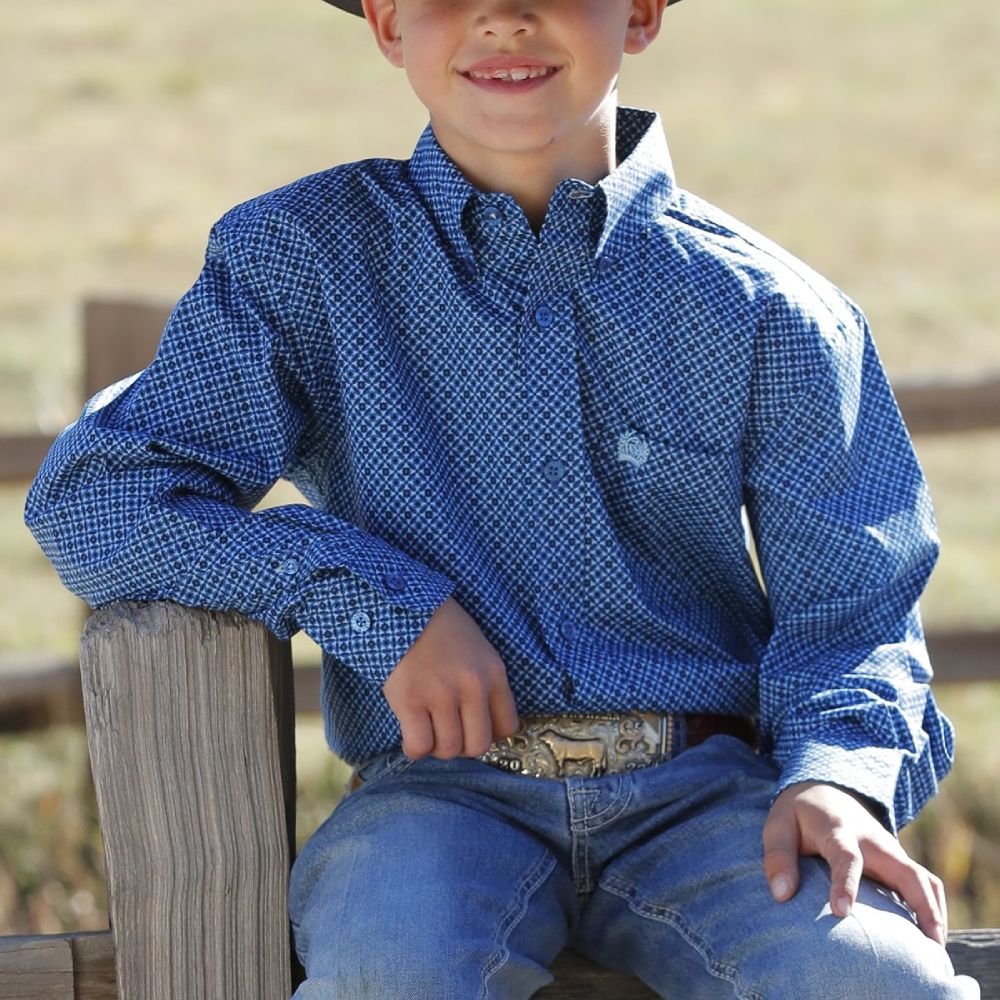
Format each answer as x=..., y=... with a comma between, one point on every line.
x=454, y=880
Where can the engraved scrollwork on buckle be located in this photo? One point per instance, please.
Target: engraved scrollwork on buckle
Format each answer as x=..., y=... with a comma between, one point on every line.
x=559, y=746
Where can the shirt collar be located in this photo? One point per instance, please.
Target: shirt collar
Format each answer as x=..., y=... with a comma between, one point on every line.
x=638, y=189
x=630, y=197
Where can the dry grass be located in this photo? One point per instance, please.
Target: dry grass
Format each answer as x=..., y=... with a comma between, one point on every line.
x=860, y=134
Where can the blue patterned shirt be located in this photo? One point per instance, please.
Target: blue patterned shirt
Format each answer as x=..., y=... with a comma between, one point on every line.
x=575, y=434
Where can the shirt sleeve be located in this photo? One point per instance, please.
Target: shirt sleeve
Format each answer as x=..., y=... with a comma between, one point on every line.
x=845, y=531
x=148, y=495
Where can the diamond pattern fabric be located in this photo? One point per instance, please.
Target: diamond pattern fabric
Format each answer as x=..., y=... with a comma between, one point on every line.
x=573, y=433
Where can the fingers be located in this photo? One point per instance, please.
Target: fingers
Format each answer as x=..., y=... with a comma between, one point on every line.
x=418, y=733
x=450, y=691
x=451, y=727
x=939, y=895
x=781, y=853
x=503, y=711
x=919, y=888
x=448, y=735
x=477, y=726
x=843, y=854
x=824, y=820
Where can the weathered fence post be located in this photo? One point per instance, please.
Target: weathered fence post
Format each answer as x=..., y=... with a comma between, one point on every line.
x=190, y=721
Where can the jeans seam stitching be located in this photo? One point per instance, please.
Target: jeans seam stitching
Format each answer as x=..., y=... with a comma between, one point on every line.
x=616, y=801
x=663, y=914
x=534, y=880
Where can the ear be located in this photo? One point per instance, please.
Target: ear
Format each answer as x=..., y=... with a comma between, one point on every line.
x=382, y=19
x=643, y=24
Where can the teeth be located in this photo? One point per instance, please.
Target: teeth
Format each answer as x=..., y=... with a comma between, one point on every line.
x=515, y=75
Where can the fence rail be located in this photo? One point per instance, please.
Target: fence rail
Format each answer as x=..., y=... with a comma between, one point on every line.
x=82, y=966
x=120, y=336
x=41, y=691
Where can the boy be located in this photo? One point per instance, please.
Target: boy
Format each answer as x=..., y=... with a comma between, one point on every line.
x=532, y=390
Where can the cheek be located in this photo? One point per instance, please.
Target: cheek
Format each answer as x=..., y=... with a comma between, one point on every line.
x=425, y=75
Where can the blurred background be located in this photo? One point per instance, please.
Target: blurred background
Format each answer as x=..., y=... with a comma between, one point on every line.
x=862, y=135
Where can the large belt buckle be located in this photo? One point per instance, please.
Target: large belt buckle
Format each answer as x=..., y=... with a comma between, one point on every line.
x=561, y=746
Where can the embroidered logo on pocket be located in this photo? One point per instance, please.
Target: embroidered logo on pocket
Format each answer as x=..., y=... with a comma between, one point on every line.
x=632, y=448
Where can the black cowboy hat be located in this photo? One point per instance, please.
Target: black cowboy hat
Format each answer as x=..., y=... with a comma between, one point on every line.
x=354, y=6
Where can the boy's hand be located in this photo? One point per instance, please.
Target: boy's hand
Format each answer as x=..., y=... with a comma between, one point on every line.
x=815, y=818
x=450, y=690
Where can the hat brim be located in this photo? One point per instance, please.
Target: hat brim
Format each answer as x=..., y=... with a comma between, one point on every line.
x=354, y=6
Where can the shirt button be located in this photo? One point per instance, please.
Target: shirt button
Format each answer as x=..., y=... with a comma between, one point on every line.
x=567, y=630
x=394, y=581
x=289, y=567
x=568, y=687
x=605, y=265
x=360, y=621
x=554, y=470
x=544, y=316
x=494, y=218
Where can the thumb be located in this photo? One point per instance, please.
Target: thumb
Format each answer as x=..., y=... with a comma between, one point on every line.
x=781, y=853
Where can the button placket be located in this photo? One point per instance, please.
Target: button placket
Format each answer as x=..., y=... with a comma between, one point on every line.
x=544, y=316
x=492, y=219
x=568, y=629
x=554, y=470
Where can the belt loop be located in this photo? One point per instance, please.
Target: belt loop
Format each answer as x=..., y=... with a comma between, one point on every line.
x=678, y=734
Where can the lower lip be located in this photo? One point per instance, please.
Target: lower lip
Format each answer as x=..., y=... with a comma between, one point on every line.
x=511, y=86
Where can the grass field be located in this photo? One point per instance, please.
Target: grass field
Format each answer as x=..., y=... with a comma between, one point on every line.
x=861, y=135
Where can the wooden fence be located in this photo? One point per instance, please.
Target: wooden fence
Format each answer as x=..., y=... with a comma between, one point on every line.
x=195, y=776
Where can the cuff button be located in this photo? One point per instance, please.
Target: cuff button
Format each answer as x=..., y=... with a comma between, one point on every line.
x=360, y=621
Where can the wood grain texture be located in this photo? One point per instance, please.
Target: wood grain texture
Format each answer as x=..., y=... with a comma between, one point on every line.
x=976, y=953
x=36, y=968
x=93, y=966
x=189, y=719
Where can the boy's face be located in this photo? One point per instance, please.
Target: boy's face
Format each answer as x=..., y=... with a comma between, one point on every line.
x=466, y=60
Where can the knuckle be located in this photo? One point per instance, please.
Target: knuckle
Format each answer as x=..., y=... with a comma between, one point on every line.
x=448, y=749
x=778, y=853
x=496, y=670
x=775, y=825
x=841, y=847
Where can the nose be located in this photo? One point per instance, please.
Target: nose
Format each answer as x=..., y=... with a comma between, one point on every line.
x=506, y=19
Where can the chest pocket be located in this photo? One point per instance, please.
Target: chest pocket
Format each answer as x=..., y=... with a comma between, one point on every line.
x=658, y=491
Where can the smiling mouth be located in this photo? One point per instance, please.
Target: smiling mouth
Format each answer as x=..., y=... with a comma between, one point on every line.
x=516, y=75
